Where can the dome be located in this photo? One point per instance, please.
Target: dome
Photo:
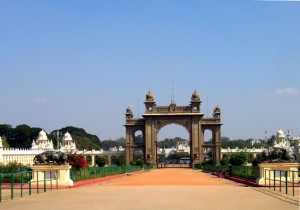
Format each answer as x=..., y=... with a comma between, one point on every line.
x=149, y=96
x=217, y=109
x=280, y=134
x=42, y=135
x=128, y=110
x=67, y=137
x=195, y=97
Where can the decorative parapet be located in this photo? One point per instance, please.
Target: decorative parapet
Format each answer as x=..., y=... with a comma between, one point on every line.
x=172, y=109
x=133, y=121
x=210, y=121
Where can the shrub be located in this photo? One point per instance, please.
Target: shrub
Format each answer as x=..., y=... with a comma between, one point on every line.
x=197, y=165
x=238, y=159
x=140, y=163
x=120, y=161
x=101, y=161
x=210, y=162
x=133, y=163
x=77, y=161
x=225, y=160
x=13, y=167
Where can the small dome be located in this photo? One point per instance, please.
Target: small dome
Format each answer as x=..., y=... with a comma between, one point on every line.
x=67, y=137
x=195, y=97
x=42, y=135
x=280, y=134
x=128, y=110
x=217, y=109
x=149, y=96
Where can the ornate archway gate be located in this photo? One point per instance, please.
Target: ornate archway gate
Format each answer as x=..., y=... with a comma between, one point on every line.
x=190, y=117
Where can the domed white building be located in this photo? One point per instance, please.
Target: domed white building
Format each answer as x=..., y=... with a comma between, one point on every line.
x=68, y=145
x=42, y=142
x=281, y=140
x=23, y=155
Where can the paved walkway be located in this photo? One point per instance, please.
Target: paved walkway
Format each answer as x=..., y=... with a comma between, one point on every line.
x=158, y=189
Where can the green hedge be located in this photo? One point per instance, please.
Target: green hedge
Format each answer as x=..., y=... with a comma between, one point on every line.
x=250, y=172
x=97, y=172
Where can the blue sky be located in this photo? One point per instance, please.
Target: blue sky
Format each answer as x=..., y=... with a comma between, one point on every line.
x=82, y=63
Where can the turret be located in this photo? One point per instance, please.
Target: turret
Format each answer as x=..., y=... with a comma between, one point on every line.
x=217, y=112
x=150, y=102
x=195, y=102
x=128, y=113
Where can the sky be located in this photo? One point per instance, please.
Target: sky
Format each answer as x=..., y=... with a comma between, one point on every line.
x=82, y=63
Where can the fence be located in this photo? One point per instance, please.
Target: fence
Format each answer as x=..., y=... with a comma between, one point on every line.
x=21, y=183
x=250, y=172
x=97, y=172
x=277, y=178
x=173, y=165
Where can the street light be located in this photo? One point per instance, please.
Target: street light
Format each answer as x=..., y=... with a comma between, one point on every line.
x=57, y=134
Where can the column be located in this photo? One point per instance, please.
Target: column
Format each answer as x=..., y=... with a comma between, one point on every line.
x=93, y=160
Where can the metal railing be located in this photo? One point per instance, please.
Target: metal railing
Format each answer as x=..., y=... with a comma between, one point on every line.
x=98, y=172
x=173, y=165
x=21, y=183
x=249, y=172
x=282, y=180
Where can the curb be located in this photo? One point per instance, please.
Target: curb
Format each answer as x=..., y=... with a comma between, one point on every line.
x=99, y=180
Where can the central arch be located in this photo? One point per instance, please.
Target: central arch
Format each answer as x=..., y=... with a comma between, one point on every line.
x=174, y=155
x=190, y=117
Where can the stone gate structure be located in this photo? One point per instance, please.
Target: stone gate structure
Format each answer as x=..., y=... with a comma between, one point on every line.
x=190, y=117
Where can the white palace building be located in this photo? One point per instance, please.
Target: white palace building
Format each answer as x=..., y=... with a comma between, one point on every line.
x=42, y=144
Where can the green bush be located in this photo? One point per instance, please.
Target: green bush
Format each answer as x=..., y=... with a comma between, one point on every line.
x=210, y=162
x=101, y=161
x=225, y=160
x=239, y=158
x=140, y=163
x=198, y=165
x=120, y=161
x=133, y=163
x=13, y=167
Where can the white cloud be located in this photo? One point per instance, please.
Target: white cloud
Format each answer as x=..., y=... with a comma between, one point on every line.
x=39, y=101
x=287, y=91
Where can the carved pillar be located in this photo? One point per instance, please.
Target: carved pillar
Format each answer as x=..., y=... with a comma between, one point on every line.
x=217, y=137
x=195, y=139
x=150, y=144
x=129, y=142
x=201, y=142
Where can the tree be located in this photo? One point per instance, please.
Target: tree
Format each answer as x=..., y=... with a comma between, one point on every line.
x=225, y=160
x=120, y=161
x=138, y=140
x=82, y=139
x=4, y=142
x=106, y=144
x=101, y=161
x=169, y=143
x=257, y=160
x=238, y=159
x=77, y=161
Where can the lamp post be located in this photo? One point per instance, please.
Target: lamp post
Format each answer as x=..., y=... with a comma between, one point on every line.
x=57, y=134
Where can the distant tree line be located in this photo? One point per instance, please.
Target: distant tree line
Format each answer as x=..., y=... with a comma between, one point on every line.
x=169, y=143
x=241, y=143
x=22, y=135
x=106, y=144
